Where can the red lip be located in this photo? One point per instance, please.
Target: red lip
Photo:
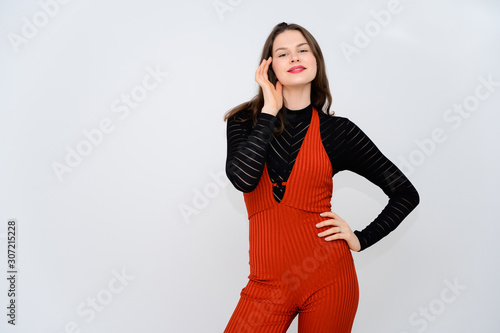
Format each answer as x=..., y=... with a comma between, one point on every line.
x=295, y=67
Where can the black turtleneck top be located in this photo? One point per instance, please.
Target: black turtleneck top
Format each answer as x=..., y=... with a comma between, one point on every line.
x=347, y=146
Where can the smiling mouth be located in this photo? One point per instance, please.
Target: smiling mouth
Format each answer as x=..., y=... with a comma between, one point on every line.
x=296, y=69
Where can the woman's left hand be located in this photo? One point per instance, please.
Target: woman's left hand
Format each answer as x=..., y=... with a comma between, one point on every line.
x=340, y=230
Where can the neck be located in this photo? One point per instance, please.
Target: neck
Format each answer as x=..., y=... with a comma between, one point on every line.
x=297, y=97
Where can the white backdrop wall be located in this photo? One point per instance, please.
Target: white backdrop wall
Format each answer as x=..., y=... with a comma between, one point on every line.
x=113, y=150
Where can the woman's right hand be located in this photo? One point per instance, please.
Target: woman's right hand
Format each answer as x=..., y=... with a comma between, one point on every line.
x=273, y=97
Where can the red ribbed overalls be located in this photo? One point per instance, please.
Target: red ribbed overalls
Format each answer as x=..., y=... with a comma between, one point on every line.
x=292, y=270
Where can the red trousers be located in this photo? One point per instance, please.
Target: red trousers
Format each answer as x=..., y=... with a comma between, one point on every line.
x=292, y=270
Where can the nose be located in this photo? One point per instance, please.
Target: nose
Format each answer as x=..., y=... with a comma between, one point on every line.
x=294, y=57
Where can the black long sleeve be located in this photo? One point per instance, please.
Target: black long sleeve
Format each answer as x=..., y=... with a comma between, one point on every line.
x=360, y=155
x=247, y=149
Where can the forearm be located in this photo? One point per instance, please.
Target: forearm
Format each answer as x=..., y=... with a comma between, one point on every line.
x=396, y=210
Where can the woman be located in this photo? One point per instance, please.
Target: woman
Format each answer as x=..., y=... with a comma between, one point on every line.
x=283, y=149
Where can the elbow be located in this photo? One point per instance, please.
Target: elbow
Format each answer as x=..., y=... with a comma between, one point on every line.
x=413, y=197
x=408, y=197
x=233, y=174
x=241, y=185
x=417, y=198
x=245, y=189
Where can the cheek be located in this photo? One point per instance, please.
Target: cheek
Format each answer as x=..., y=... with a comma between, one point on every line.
x=314, y=66
x=313, y=62
x=315, y=70
x=277, y=68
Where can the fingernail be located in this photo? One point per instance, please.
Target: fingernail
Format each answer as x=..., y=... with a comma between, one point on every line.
x=321, y=214
x=317, y=225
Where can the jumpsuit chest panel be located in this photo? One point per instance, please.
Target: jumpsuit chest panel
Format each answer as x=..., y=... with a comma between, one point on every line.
x=309, y=186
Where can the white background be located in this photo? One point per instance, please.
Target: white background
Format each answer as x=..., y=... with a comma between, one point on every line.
x=150, y=201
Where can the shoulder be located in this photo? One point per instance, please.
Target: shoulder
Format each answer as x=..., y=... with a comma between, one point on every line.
x=241, y=115
x=334, y=122
x=331, y=118
x=339, y=130
x=241, y=119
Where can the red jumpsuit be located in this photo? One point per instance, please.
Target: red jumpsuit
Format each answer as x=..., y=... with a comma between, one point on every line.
x=292, y=269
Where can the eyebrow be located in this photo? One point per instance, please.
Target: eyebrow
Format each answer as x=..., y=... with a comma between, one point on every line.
x=284, y=48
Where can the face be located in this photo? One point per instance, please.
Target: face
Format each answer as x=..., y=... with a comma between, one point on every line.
x=290, y=49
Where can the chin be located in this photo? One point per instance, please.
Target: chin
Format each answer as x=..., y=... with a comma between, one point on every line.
x=296, y=84
x=299, y=81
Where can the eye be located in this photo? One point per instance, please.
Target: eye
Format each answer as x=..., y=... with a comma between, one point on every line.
x=303, y=51
x=281, y=54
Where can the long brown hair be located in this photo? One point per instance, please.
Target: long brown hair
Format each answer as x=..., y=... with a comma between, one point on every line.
x=321, y=98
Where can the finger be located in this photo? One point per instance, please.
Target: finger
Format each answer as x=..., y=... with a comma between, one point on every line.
x=334, y=237
x=258, y=72
x=264, y=72
x=261, y=65
x=330, y=214
x=266, y=68
x=326, y=223
x=326, y=214
x=331, y=231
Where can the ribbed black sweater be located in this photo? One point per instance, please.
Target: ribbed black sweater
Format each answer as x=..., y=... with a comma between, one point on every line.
x=347, y=146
